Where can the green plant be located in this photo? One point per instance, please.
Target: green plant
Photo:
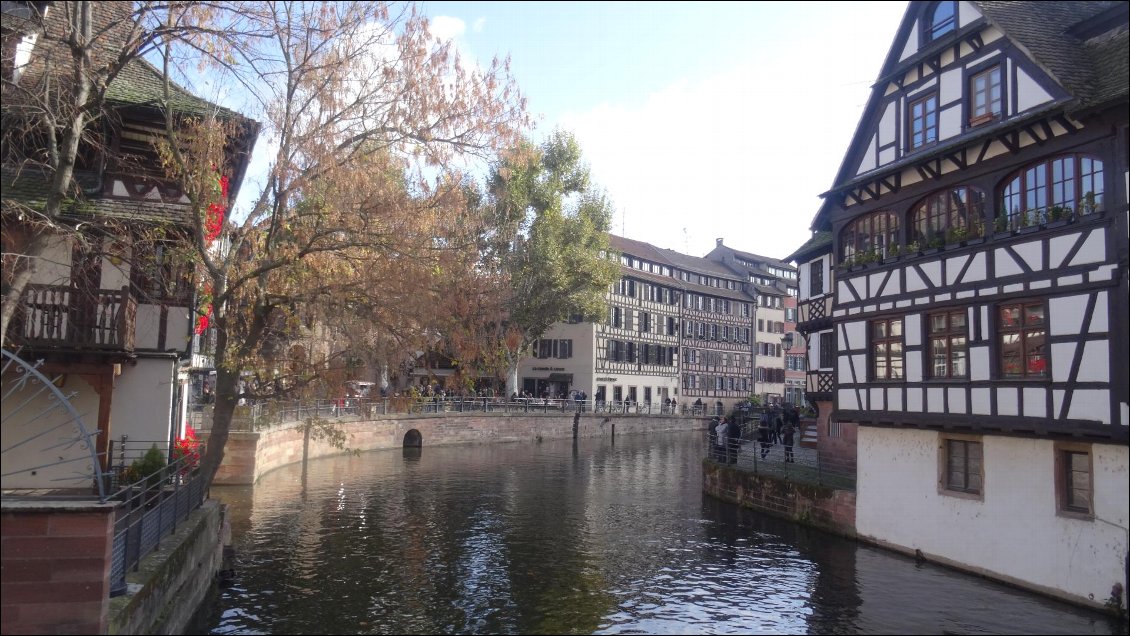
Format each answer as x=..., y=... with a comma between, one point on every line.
x=1056, y=213
x=977, y=229
x=956, y=234
x=846, y=262
x=1025, y=220
x=936, y=241
x=1088, y=202
x=148, y=467
x=1000, y=224
x=894, y=249
x=913, y=247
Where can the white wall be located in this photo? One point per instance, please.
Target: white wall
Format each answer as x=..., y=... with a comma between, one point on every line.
x=1014, y=532
x=39, y=437
x=143, y=399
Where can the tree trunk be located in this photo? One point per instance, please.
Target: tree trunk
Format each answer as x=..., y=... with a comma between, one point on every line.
x=227, y=396
x=512, y=376
x=26, y=263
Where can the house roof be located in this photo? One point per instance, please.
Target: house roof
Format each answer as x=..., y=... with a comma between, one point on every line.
x=820, y=241
x=141, y=84
x=30, y=187
x=674, y=259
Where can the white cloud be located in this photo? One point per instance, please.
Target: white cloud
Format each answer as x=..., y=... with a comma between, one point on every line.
x=742, y=153
x=445, y=27
x=477, y=26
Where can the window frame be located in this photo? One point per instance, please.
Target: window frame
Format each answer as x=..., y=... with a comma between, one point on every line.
x=946, y=444
x=1021, y=329
x=888, y=340
x=948, y=334
x=931, y=112
x=932, y=30
x=1029, y=195
x=875, y=231
x=1065, y=484
x=993, y=109
x=948, y=214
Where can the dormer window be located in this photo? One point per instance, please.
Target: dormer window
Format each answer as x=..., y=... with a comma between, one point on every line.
x=941, y=19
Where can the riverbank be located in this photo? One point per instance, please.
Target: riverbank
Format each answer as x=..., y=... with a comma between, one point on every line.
x=250, y=455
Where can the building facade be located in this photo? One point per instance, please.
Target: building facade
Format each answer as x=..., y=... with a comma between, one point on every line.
x=110, y=313
x=978, y=315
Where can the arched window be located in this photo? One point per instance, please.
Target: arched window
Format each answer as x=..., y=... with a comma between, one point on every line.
x=948, y=215
x=941, y=19
x=870, y=235
x=1060, y=188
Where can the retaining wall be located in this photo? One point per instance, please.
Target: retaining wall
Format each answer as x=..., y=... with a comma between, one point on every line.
x=811, y=504
x=247, y=456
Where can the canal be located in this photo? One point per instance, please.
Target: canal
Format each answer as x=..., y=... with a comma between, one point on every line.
x=563, y=538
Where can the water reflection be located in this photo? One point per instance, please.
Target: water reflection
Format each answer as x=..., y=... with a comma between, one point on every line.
x=571, y=537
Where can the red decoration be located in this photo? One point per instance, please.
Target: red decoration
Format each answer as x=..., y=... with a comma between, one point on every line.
x=187, y=448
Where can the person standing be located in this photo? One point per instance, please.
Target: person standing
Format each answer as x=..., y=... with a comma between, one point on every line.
x=787, y=433
x=733, y=440
x=765, y=435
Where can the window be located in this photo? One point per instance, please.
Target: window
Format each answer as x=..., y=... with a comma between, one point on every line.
x=948, y=216
x=827, y=349
x=1074, y=488
x=156, y=275
x=962, y=466
x=941, y=19
x=985, y=95
x=1057, y=189
x=1023, y=350
x=816, y=278
x=948, y=345
x=886, y=349
x=870, y=234
x=923, y=121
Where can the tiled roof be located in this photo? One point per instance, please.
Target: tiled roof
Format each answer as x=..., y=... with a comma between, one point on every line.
x=1093, y=72
x=141, y=84
x=29, y=188
x=820, y=241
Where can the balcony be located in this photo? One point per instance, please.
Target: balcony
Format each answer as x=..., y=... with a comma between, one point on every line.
x=60, y=317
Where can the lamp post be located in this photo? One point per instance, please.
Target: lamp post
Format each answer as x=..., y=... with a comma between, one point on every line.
x=786, y=345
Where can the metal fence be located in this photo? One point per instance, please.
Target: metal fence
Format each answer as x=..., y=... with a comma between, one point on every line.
x=795, y=463
x=150, y=509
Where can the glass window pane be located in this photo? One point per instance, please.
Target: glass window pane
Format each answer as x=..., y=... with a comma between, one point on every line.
x=896, y=328
x=957, y=321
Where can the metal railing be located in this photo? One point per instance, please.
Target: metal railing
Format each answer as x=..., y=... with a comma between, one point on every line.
x=257, y=416
x=772, y=457
x=151, y=508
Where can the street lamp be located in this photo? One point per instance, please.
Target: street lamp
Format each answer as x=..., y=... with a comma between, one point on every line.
x=787, y=344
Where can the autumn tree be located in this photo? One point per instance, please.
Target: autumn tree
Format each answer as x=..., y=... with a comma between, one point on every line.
x=361, y=216
x=548, y=249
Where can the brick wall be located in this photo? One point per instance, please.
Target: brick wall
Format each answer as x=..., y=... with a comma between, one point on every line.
x=819, y=506
x=56, y=567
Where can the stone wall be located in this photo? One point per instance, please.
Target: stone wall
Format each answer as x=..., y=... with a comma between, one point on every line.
x=171, y=582
x=249, y=455
x=56, y=567
x=814, y=505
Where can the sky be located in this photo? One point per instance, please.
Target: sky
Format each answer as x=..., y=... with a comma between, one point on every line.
x=699, y=120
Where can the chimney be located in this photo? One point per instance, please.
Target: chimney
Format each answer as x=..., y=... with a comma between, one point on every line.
x=719, y=242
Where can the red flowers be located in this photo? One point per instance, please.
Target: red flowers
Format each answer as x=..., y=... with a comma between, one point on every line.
x=214, y=219
x=186, y=450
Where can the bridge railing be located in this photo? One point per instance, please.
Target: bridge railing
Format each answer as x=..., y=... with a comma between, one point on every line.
x=772, y=457
x=251, y=417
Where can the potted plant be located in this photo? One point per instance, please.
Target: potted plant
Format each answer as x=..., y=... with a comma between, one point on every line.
x=1027, y=221
x=913, y=247
x=956, y=235
x=976, y=232
x=894, y=250
x=1089, y=206
x=1000, y=224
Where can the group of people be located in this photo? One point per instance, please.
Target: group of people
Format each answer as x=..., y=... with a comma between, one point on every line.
x=777, y=425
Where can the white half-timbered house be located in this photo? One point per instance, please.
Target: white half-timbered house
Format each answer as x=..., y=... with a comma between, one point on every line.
x=109, y=312
x=978, y=228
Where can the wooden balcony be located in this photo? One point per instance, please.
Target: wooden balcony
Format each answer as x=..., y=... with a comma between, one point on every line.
x=60, y=317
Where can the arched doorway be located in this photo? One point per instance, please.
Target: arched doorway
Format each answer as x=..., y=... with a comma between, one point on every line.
x=413, y=439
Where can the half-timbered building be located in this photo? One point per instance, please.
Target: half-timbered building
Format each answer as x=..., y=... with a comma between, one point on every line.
x=978, y=227
x=109, y=311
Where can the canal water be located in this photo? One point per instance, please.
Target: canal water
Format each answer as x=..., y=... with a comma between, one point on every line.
x=560, y=537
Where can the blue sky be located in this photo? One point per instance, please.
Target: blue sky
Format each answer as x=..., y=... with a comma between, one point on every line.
x=700, y=120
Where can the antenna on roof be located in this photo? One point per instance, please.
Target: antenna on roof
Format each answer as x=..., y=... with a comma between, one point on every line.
x=623, y=222
x=686, y=243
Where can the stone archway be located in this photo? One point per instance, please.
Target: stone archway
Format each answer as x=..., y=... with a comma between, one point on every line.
x=413, y=439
